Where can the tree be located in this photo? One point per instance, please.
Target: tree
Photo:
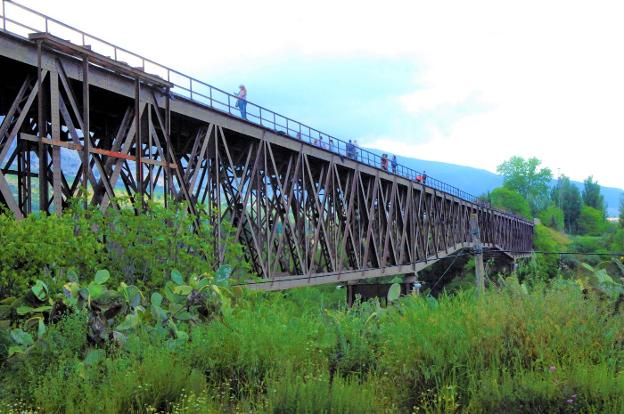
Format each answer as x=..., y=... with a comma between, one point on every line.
x=591, y=221
x=622, y=210
x=526, y=178
x=507, y=199
x=545, y=240
x=568, y=197
x=591, y=194
x=552, y=217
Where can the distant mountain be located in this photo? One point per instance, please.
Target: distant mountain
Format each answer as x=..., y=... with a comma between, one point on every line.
x=477, y=181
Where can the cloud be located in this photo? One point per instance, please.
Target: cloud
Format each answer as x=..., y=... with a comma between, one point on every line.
x=486, y=79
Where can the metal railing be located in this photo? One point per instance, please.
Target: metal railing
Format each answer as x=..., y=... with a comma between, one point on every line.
x=21, y=20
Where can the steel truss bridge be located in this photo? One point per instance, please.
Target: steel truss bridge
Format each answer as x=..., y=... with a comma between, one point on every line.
x=304, y=214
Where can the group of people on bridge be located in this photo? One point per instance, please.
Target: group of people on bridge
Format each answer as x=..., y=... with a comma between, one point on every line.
x=352, y=150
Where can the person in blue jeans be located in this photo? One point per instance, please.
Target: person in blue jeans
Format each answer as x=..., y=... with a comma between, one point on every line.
x=241, y=102
x=393, y=164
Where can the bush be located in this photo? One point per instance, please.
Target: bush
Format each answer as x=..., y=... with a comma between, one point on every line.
x=41, y=246
x=616, y=241
x=137, y=249
x=546, y=240
x=506, y=199
x=552, y=217
x=591, y=221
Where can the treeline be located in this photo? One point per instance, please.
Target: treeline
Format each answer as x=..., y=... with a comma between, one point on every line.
x=527, y=191
x=570, y=219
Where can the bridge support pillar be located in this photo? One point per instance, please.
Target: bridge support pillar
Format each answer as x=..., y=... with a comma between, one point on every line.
x=367, y=291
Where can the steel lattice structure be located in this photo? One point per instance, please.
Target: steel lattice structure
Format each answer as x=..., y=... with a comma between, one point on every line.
x=304, y=214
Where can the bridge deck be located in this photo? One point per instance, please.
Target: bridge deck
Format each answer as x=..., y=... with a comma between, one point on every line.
x=305, y=215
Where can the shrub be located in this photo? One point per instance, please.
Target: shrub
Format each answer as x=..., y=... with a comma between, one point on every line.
x=546, y=240
x=552, y=217
x=591, y=221
x=507, y=199
x=137, y=249
x=42, y=246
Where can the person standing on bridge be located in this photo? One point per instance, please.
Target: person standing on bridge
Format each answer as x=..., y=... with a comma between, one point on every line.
x=350, y=150
x=384, y=162
x=393, y=164
x=241, y=102
x=422, y=178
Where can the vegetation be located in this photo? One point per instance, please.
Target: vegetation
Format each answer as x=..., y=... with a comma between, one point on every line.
x=552, y=217
x=568, y=197
x=526, y=178
x=510, y=200
x=515, y=349
x=591, y=195
x=591, y=221
x=136, y=249
x=621, y=217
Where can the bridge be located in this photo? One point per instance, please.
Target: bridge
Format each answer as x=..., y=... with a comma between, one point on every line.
x=305, y=214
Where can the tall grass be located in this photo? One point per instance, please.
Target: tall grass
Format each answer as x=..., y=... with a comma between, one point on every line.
x=552, y=349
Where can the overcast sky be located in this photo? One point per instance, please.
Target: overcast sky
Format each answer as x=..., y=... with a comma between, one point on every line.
x=466, y=82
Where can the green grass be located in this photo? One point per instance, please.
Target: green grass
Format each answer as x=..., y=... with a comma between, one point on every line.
x=551, y=350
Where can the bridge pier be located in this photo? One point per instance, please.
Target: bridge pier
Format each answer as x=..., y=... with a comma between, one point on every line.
x=370, y=290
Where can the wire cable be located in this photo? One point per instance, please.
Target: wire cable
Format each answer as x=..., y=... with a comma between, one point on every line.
x=445, y=272
x=561, y=253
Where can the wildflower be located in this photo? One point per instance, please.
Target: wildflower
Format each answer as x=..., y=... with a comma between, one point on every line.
x=552, y=368
x=570, y=401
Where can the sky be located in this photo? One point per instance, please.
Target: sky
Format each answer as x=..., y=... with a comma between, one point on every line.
x=465, y=82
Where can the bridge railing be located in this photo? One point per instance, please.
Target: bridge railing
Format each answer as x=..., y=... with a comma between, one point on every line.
x=22, y=20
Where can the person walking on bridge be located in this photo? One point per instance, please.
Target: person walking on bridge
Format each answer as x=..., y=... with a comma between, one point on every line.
x=393, y=164
x=241, y=102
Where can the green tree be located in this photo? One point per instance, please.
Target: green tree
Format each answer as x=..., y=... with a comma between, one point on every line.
x=526, y=178
x=507, y=199
x=544, y=240
x=552, y=217
x=591, y=221
x=591, y=194
x=568, y=197
x=622, y=210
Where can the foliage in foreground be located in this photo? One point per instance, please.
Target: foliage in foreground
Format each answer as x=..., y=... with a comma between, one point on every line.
x=552, y=348
x=137, y=249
